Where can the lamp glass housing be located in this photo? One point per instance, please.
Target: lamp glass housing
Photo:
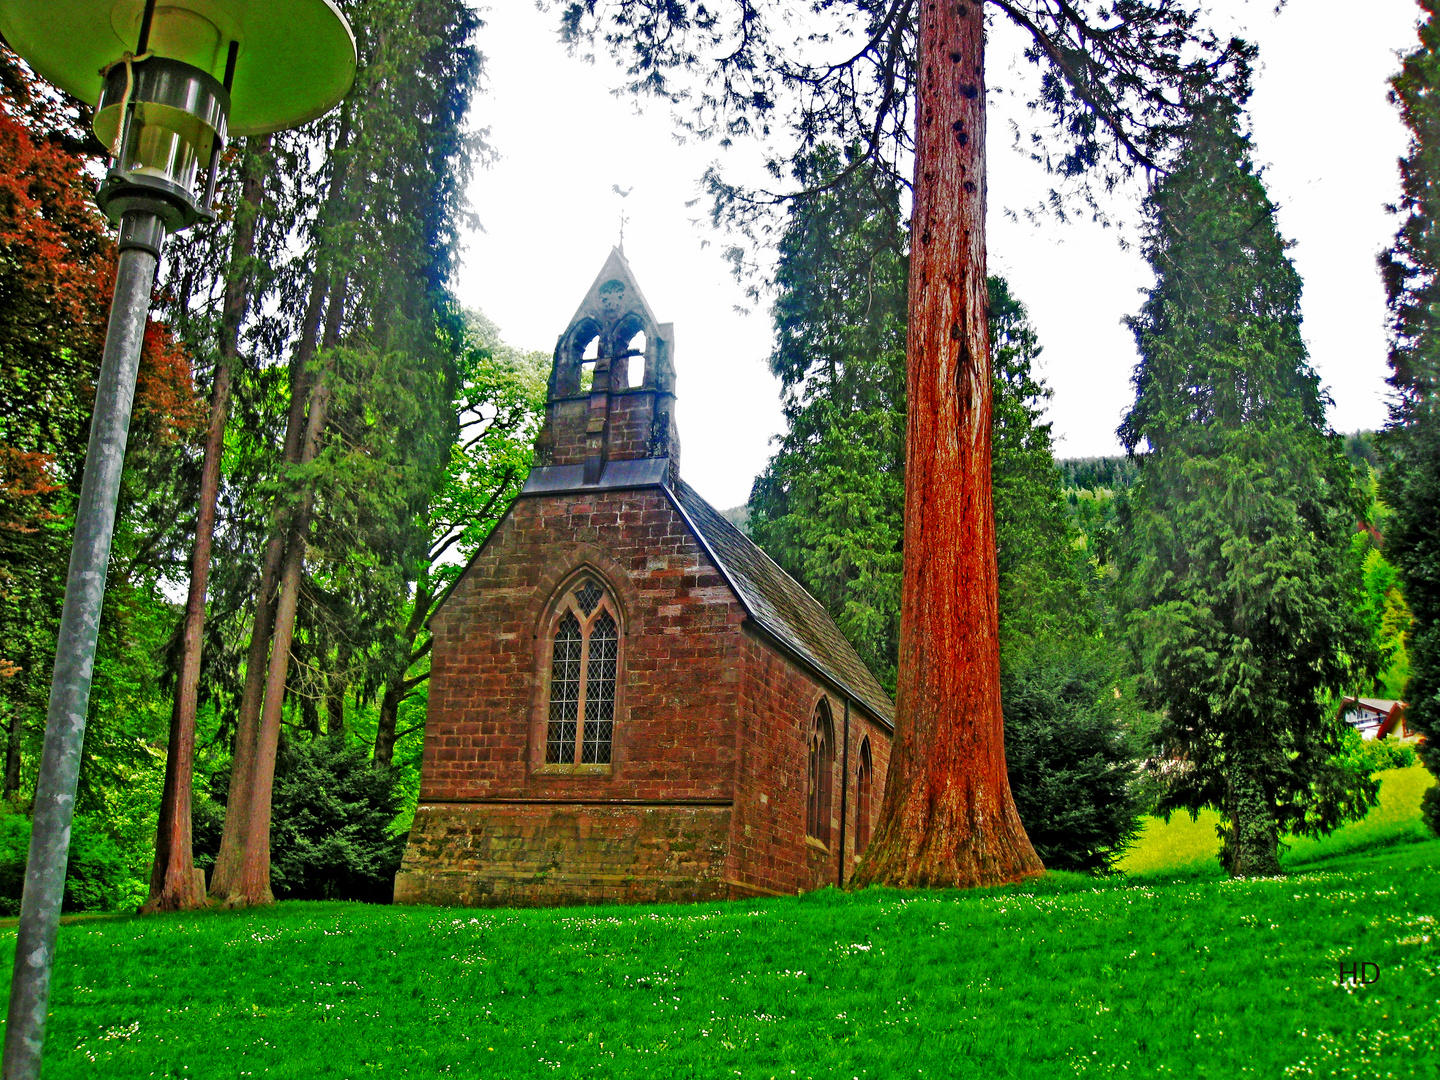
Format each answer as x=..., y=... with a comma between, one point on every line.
x=166, y=121
x=156, y=149
x=295, y=59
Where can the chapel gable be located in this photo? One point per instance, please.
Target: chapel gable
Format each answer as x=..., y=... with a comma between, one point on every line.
x=628, y=699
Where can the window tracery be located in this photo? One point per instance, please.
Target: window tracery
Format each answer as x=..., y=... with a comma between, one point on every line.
x=584, y=663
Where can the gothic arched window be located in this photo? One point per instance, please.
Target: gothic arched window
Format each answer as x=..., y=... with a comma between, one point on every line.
x=822, y=759
x=584, y=658
x=864, y=781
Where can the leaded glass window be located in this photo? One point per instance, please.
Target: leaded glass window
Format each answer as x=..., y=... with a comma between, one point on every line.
x=583, y=669
x=821, y=764
x=564, y=691
x=588, y=594
x=600, y=691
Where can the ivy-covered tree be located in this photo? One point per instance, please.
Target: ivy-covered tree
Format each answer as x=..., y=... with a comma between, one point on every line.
x=1411, y=443
x=1241, y=593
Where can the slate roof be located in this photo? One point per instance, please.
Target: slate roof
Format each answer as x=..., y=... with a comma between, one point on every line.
x=781, y=606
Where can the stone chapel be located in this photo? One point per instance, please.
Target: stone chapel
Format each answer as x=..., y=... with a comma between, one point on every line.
x=629, y=701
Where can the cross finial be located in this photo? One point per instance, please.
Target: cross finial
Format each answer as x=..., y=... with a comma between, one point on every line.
x=623, y=219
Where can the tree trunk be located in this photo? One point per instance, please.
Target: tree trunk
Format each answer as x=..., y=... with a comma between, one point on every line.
x=1253, y=843
x=252, y=884
x=12, y=752
x=242, y=780
x=398, y=689
x=385, y=726
x=948, y=818
x=173, y=886
x=237, y=809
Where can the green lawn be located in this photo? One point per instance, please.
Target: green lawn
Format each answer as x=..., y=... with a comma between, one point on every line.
x=1190, y=847
x=1070, y=976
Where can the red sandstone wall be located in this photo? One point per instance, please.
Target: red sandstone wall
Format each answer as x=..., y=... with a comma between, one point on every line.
x=628, y=432
x=565, y=425
x=769, y=849
x=680, y=656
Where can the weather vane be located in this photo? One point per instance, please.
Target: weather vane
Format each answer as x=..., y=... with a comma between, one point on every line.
x=623, y=219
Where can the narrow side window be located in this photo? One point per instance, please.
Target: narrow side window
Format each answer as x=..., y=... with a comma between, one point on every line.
x=822, y=758
x=863, y=781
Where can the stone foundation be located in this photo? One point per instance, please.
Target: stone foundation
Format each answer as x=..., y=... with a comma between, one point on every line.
x=528, y=855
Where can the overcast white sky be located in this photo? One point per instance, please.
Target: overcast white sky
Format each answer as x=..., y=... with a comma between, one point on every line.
x=1323, y=129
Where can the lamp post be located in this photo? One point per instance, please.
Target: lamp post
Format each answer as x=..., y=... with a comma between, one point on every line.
x=171, y=81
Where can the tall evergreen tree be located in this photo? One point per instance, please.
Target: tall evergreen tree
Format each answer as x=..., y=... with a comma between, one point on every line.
x=374, y=374
x=829, y=506
x=1411, y=443
x=906, y=81
x=1240, y=590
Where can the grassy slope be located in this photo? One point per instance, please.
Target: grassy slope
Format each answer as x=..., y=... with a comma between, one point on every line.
x=1204, y=978
x=1185, y=846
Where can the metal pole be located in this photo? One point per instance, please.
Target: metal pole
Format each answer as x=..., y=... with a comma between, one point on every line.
x=141, y=235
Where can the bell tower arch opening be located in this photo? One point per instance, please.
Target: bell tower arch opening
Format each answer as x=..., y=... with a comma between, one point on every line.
x=612, y=392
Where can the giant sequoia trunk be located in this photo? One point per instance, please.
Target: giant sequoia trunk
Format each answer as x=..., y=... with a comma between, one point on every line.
x=948, y=818
x=173, y=884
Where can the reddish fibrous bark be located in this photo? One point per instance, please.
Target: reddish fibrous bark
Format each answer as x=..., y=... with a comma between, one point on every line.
x=948, y=819
x=173, y=882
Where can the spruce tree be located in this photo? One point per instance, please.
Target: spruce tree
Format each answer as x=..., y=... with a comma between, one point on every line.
x=1411, y=443
x=1237, y=579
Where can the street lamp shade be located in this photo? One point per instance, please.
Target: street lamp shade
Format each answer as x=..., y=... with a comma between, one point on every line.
x=293, y=59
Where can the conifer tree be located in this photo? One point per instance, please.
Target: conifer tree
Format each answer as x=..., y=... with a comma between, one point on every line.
x=906, y=80
x=1237, y=579
x=370, y=424
x=1411, y=443
x=829, y=506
